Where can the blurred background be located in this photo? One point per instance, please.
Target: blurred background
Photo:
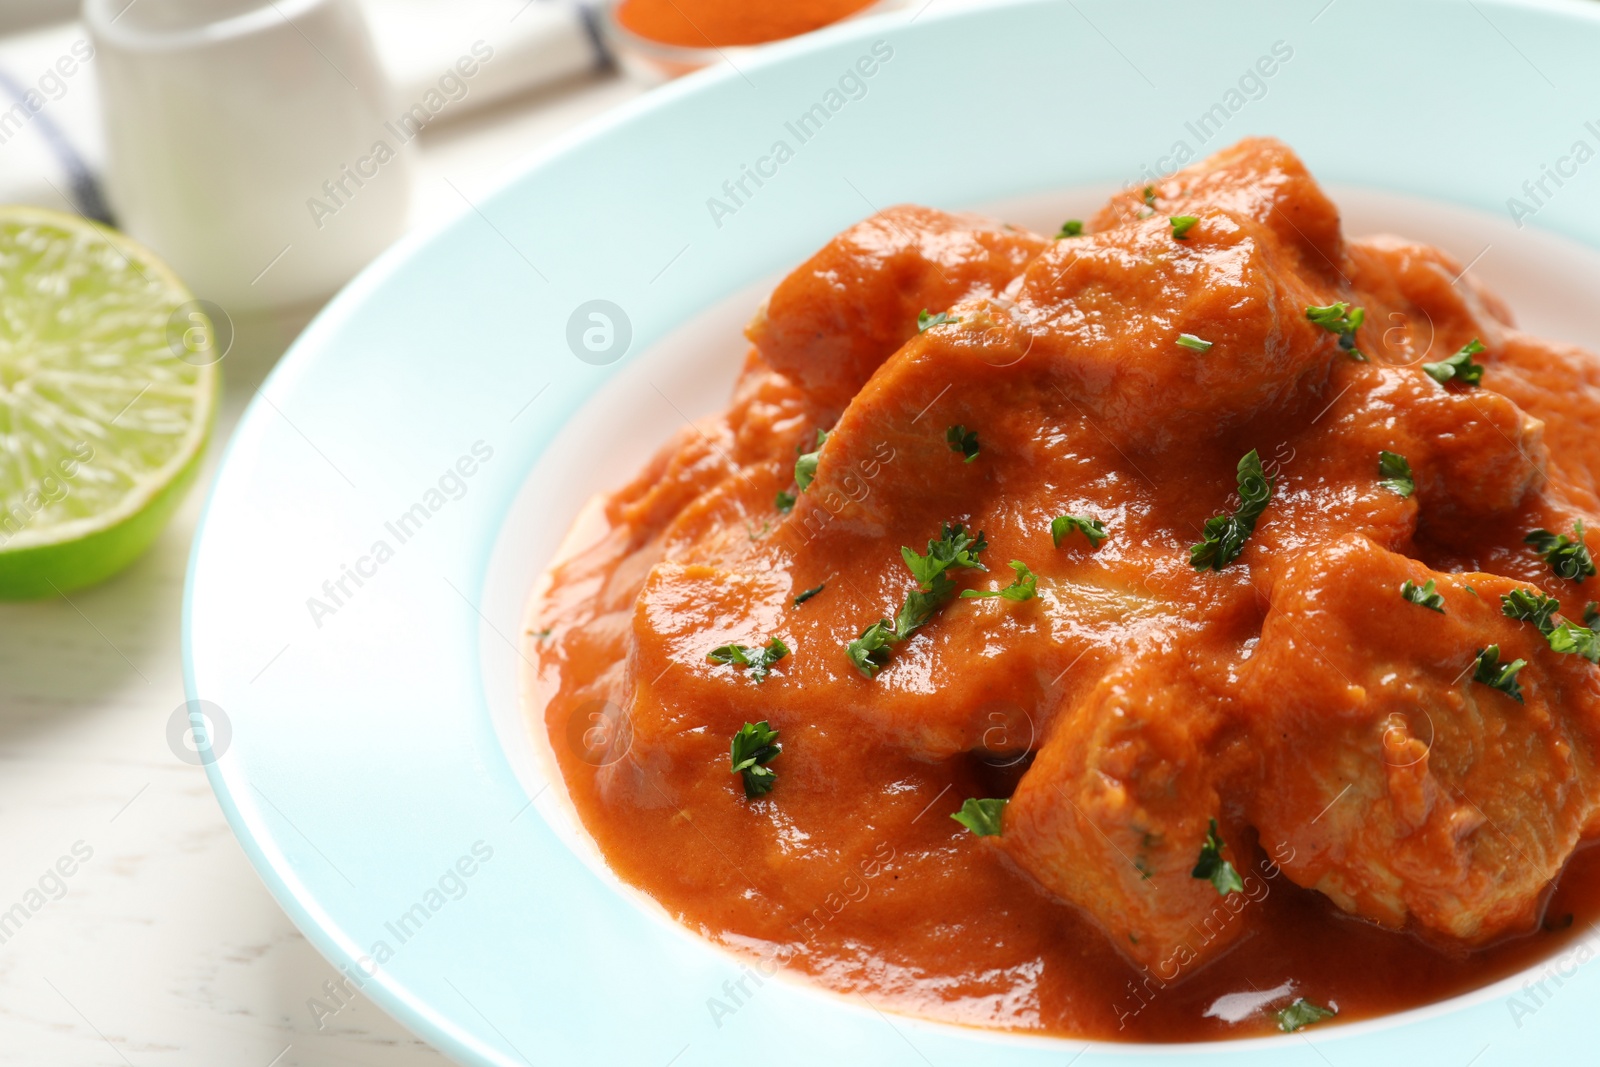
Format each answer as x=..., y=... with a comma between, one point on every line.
x=267, y=152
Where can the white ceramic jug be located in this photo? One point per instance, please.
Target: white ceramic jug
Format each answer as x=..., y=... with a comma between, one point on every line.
x=249, y=143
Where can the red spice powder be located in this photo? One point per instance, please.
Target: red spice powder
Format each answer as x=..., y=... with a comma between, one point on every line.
x=718, y=23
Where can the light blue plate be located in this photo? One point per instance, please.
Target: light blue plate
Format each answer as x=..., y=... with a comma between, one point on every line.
x=367, y=773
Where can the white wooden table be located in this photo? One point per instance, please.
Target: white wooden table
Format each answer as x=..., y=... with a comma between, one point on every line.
x=162, y=948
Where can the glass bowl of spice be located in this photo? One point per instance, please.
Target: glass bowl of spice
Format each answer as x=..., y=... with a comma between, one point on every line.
x=662, y=39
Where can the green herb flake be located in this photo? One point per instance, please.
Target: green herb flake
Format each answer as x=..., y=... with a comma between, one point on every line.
x=1489, y=671
x=1423, y=595
x=1193, y=343
x=759, y=660
x=809, y=593
x=1568, y=556
x=960, y=439
x=981, y=816
x=1591, y=614
x=954, y=549
x=755, y=746
x=1071, y=228
x=1341, y=319
x=1537, y=609
x=1530, y=606
x=1149, y=195
x=1213, y=868
x=1569, y=639
x=1459, y=367
x=785, y=502
x=805, y=468
x=870, y=652
x=1225, y=535
x=1394, y=473
x=1064, y=525
x=1023, y=587
x=1302, y=1013
x=1181, y=225
x=926, y=322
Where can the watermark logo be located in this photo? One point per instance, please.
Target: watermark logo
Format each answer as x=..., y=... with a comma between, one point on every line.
x=451, y=485
x=199, y=732
x=199, y=332
x=451, y=87
x=599, y=332
x=599, y=733
x=852, y=84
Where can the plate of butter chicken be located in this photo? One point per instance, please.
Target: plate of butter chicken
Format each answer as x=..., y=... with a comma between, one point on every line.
x=1108, y=609
x=1029, y=534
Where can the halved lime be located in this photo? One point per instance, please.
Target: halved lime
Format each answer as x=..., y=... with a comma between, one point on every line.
x=103, y=418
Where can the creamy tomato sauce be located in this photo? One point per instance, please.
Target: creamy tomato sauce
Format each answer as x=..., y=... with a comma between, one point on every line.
x=1266, y=735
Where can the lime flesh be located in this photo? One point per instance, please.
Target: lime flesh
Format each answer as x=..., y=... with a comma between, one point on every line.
x=103, y=416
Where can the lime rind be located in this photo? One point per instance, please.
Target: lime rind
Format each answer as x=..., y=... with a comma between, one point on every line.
x=101, y=423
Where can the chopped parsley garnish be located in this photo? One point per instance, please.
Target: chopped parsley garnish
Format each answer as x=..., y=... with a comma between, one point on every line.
x=1423, y=595
x=1213, y=868
x=1575, y=640
x=870, y=651
x=785, y=502
x=926, y=322
x=1149, y=196
x=1193, y=343
x=1591, y=613
x=1532, y=606
x=1181, y=225
x=1071, y=228
x=1342, y=319
x=1568, y=556
x=759, y=660
x=919, y=606
x=981, y=816
x=1459, y=367
x=955, y=548
x=1394, y=472
x=805, y=468
x=809, y=593
x=755, y=746
x=1225, y=534
x=1493, y=674
x=1063, y=525
x=1302, y=1013
x=1339, y=318
x=1023, y=587
x=960, y=439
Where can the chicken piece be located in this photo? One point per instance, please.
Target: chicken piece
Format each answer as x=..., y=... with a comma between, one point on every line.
x=1208, y=328
x=1113, y=307
x=1394, y=781
x=1559, y=384
x=1113, y=814
x=831, y=322
x=1420, y=305
x=1475, y=457
x=1258, y=178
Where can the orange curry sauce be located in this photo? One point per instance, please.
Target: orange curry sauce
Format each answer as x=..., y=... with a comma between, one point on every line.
x=724, y=23
x=1396, y=819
